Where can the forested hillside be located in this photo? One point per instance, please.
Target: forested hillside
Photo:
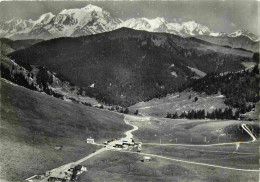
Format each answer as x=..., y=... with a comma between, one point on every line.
x=240, y=88
x=126, y=66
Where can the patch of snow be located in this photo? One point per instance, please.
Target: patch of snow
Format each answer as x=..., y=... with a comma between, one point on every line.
x=245, y=33
x=192, y=28
x=174, y=74
x=214, y=34
x=67, y=100
x=45, y=18
x=148, y=107
x=249, y=65
x=198, y=72
x=173, y=97
x=143, y=23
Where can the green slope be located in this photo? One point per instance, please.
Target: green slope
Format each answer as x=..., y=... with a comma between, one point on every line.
x=32, y=124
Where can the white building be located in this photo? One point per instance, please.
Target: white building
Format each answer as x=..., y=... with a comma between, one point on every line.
x=90, y=140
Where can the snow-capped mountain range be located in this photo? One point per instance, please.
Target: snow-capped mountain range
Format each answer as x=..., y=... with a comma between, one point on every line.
x=92, y=19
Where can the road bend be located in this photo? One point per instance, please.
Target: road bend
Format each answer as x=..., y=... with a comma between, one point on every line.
x=129, y=132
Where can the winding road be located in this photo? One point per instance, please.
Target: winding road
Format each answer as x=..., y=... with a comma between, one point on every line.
x=190, y=162
x=129, y=132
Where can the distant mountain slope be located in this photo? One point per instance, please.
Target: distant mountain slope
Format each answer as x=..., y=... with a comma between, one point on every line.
x=239, y=41
x=237, y=90
x=32, y=124
x=7, y=45
x=93, y=19
x=127, y=66
x=241, y=88
x=179, y=102
x=37, y=78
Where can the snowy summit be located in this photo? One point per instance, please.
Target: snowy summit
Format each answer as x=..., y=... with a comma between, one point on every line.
x=93, y=19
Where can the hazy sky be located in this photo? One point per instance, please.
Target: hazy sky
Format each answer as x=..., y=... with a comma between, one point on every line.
x=224, y=16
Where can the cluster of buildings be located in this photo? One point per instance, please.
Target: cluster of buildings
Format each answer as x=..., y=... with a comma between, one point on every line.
x=69, y=175
x=59, y=175
x=124, y=143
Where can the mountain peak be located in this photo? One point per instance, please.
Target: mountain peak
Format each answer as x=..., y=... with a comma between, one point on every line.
x=144, y=23
x=160, y=19
x=92, y=19
x=193, y=28
x=92, y=7
x=45, y=18
x=88, y=8
x=191, y=22
x=243, y=32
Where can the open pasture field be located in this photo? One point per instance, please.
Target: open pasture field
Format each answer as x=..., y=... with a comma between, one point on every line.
x=122, y=166
x=226, y=155
x=182, y=131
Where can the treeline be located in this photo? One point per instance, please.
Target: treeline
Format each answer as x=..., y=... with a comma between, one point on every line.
x=119, y=109
x=226, y=113
x=16, y=77
x=240, y=88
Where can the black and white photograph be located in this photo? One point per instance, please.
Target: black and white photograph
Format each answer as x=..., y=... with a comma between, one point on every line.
x=129, y=91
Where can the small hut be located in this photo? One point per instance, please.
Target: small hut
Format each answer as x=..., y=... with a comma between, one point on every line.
x=90, y=140
x=146, y=158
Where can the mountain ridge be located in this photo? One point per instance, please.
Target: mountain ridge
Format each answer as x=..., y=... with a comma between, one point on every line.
x=93, y=19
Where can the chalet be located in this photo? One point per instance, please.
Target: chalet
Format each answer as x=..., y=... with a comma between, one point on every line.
x=123, y=142
x=139, y=146
x=146, y=158
x=59, y=176
x=58, y=147
x=77, y=170
x=90, y=140
x=128, y=141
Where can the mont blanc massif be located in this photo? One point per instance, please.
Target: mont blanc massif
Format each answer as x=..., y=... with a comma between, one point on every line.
x=86, y=96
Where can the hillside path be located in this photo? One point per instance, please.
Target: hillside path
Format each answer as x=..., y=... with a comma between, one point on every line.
x=129, y=132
